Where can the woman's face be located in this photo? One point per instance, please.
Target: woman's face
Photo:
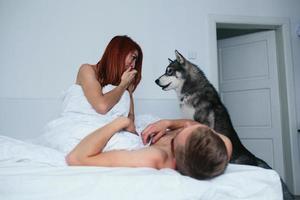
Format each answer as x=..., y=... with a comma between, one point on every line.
x=130, y=59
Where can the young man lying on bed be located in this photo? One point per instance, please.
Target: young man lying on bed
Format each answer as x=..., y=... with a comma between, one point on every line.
x=185, y=145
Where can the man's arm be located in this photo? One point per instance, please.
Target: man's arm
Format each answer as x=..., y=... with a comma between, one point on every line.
x=124, y=158
x=94, y=143
x=180, y=123
x=89, y=151
x=159, y=128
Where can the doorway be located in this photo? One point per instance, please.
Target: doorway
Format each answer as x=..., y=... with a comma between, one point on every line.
x=249, y=88
x=222, y=27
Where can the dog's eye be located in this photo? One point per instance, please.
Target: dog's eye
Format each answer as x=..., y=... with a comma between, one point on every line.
x=169, y=71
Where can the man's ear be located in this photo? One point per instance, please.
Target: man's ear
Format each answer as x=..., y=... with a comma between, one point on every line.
x=170, y=60
x=179, y=57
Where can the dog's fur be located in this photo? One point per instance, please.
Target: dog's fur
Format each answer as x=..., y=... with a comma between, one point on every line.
x=200, y=101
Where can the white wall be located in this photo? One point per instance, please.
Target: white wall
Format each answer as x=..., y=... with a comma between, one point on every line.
x=43, y=42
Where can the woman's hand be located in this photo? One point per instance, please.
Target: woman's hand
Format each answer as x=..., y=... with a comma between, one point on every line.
x=127, y=77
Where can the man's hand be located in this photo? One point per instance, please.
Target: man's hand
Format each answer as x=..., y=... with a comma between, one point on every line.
x=155, y=130
x=131, y=127
x=159, y=128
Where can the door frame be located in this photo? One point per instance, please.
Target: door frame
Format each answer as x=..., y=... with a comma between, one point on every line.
x=281, y=26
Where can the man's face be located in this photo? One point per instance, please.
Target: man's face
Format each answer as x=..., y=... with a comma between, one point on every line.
x=181, y=138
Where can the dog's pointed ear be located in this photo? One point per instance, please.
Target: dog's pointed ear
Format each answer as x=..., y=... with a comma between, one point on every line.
x=170, y=60
x=179, y=57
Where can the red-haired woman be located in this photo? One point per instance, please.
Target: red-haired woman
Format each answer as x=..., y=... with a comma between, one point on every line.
x=120, y=65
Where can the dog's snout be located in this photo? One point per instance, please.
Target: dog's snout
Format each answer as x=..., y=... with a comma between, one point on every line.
x=157, y=81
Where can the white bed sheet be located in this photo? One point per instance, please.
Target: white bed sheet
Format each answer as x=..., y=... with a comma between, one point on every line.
x=30, y=171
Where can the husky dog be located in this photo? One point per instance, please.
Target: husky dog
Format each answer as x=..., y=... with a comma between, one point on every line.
x=200, y=101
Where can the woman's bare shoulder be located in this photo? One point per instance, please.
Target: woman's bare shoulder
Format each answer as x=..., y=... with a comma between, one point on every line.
x=86, y=71
x=86, y=68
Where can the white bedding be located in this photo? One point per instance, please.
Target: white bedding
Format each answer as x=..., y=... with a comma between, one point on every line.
x=78, y=119
x=36, y=169
x=29, y=171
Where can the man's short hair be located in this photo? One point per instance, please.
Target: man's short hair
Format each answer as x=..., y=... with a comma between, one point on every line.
x=204, y=155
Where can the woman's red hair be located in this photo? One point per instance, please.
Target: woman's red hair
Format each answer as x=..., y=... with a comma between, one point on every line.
x=110, y=68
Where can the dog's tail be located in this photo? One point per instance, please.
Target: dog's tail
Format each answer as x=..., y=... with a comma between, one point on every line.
x=261, y=163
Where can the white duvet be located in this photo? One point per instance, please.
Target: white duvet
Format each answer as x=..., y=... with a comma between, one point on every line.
x=78, y=119
x=36, y=169
x=29, y=171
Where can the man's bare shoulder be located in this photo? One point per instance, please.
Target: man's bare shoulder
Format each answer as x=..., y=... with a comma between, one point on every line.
x=155, y=155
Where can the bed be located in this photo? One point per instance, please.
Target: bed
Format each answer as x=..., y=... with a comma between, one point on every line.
x=31, y=171
x=36, y=168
